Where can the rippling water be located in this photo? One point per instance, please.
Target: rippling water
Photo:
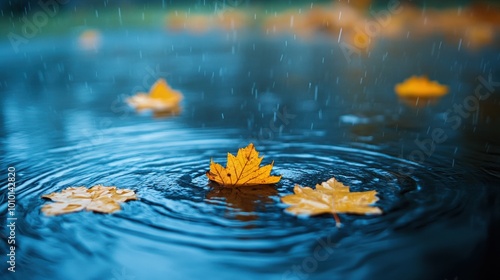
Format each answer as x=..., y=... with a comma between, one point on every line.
x=64, y=124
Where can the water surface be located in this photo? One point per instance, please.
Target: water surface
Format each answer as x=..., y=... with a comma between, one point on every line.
x=64, y=123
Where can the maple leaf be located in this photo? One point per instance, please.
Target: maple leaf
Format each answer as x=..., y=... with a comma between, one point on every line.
x=420, y=92
x=330, y=197
x=420, y=87
x=98, y=199
x=242, y=170
x=161, y=99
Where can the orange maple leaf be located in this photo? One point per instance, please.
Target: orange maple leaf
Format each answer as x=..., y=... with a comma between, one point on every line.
x=420, y=87
x=242, y=170
x=330, y=197
x=98, y=199
x=161, y=98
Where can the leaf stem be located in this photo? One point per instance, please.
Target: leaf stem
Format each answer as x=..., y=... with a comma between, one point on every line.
x=337, y=220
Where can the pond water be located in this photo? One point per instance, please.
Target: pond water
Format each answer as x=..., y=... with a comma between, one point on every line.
x=64, y=123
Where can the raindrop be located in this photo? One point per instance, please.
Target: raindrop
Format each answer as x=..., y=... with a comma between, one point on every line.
x=120, y=16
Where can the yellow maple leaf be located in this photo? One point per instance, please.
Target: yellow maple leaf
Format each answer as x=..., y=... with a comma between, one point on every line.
x=242, y=170
x=420, y=87
x=98, y=199
x=330, y=197
x=161, y=98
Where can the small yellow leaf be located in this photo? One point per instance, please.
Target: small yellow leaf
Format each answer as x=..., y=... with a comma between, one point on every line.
x=161, y=99
x=420, y=87
x=330, y=197
x=242, y=170
x=98, y=199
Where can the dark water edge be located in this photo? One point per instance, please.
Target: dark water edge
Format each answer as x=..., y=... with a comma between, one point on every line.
x=305, y=108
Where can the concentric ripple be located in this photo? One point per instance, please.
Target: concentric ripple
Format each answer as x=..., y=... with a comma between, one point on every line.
x=181, y=217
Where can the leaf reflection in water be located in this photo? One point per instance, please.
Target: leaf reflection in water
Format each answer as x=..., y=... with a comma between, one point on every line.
x=242, y=203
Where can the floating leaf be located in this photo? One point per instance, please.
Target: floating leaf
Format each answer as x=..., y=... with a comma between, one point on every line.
x=330, y=197
x=98, y=199
x=242, y=170
x=420, y=87
x=161, y=99
x=420, y=91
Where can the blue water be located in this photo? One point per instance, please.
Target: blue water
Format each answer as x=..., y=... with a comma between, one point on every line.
x=64, y=123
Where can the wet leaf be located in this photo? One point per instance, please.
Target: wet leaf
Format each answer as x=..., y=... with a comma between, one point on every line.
x=242, y=170
x=98, y=199
x=420, y=87
x=160, y=99
x=330, y=197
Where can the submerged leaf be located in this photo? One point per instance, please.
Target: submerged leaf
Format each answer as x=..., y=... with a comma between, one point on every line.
x=330, y=197
x=242, y=170
x=98, y=199
x=161, y=99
